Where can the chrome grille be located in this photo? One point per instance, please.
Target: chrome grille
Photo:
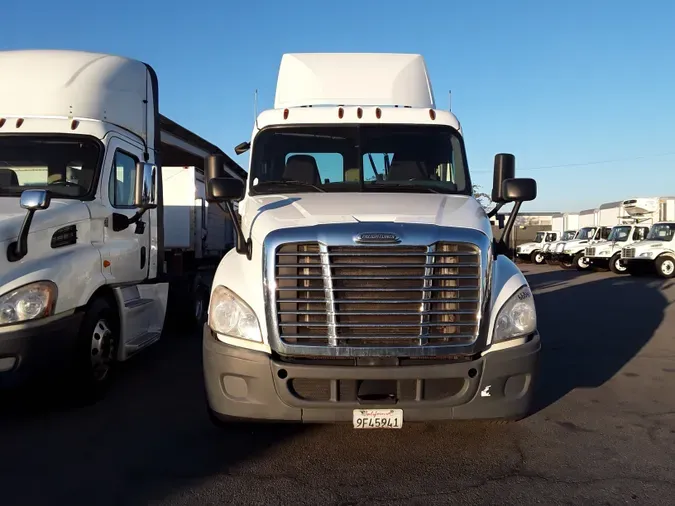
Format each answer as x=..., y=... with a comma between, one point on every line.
x=377, y=296
x=590, y=252
x=628, y=253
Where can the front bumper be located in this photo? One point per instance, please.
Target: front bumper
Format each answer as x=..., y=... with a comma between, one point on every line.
x=598, y=261
x=36, y=347
x=245, y=384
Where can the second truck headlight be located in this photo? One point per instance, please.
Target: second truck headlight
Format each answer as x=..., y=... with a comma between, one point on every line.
x=517, y=317
x=28, y=302
x=231, y=316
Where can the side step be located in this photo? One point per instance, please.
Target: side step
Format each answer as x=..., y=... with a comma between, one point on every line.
x=141, y=317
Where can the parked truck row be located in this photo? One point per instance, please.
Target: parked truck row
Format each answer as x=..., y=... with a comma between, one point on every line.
x=641, y=241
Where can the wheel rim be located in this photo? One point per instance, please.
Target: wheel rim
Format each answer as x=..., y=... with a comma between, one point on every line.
x=538, y=258
x=667, y=267
x=582, y=263
x=101, y=349
x=619, y=266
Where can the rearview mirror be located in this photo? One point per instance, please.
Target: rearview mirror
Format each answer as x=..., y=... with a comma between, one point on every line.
x=504, y=168
x=34, y=200
x=223, y=189
x=521, y=189
x=242, y=148
x=146, y=186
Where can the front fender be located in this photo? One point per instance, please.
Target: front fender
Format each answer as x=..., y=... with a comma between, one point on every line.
x=506, y=280
x=244, y=278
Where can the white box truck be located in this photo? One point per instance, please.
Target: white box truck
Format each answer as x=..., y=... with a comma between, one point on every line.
x=93, y=233
x=366, y=286
x=638, y=213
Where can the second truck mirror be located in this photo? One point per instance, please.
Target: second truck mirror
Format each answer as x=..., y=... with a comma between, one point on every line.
x=146, y=186
x=505, y=168
x=223, y=189
x=520, y=189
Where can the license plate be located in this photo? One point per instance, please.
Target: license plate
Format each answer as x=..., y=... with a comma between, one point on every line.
x=378, y=418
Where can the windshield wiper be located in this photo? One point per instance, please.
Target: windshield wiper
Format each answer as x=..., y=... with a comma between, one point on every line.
x=404, y=186
x=289, y=182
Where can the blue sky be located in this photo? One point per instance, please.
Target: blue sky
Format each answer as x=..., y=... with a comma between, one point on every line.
x=555, y=83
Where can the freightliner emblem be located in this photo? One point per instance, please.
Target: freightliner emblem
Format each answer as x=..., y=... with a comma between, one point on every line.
x=377, y=238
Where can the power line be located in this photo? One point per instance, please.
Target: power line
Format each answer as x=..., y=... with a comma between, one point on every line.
x=585, y=164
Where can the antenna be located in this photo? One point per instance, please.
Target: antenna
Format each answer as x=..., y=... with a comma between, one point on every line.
x=450, y=100
x=255, y=108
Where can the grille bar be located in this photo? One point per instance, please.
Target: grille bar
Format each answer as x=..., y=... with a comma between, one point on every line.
x=377, y=296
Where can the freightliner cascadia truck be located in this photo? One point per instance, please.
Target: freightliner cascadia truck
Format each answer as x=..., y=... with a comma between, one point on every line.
x=96, y=238
x=365, y=285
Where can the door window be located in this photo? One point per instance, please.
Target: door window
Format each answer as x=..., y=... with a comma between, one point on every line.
x=122, y=181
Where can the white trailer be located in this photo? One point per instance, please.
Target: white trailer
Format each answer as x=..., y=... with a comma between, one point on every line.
x=558, y=221
x=97, y=238
x=587, y=218
x=362, y=250
x=609, y=214
x=571, y=221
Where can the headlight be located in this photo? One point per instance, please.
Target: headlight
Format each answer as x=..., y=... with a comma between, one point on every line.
x=647, y=254
x=517, y=317
x=231, y=316
x=29, y=302
x=603, y=253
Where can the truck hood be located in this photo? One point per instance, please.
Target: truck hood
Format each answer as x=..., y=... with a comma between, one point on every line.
x=530, y=245
x=651, y=243
x=60, y=212
x=575, y=243
x=264, y=214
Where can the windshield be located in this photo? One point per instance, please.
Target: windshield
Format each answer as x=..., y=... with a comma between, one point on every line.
x=619, y=234
x=539, y=237
x=64, y=165
x=568, y=235
x=586, y=233
x=407, y=158
x=661, y=232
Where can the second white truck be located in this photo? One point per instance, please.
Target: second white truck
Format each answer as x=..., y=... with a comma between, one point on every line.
x=96, y=237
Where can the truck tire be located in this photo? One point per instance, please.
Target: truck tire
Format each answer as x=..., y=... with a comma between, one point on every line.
x=665, y=267
x=579, y=262
x=96, y=351
x=616, y=266
x=537, y=257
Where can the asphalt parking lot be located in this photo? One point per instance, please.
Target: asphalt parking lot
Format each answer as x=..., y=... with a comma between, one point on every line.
x=603, y=432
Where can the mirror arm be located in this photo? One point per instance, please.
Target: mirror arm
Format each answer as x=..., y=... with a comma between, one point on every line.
x=242, y=246
x=494, y=212
x=502, y=247
x=19, y=249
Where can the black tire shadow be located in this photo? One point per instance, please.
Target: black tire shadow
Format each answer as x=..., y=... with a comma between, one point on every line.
x=148, y=439
x=592, y=329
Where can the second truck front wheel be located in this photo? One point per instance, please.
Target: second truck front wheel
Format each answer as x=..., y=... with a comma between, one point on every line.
x=616, y=265
x=581, y=263
x=537, y=257
x=96, y=350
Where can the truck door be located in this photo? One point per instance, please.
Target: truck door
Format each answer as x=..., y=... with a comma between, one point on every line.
x=126, y=251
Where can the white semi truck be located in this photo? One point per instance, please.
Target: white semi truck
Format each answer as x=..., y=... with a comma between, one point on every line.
x=571, y=254
x=548, y=249
x=655, y=253
x=94, y=232
x=607, y=253
x=366, y=286
x=533, y=251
